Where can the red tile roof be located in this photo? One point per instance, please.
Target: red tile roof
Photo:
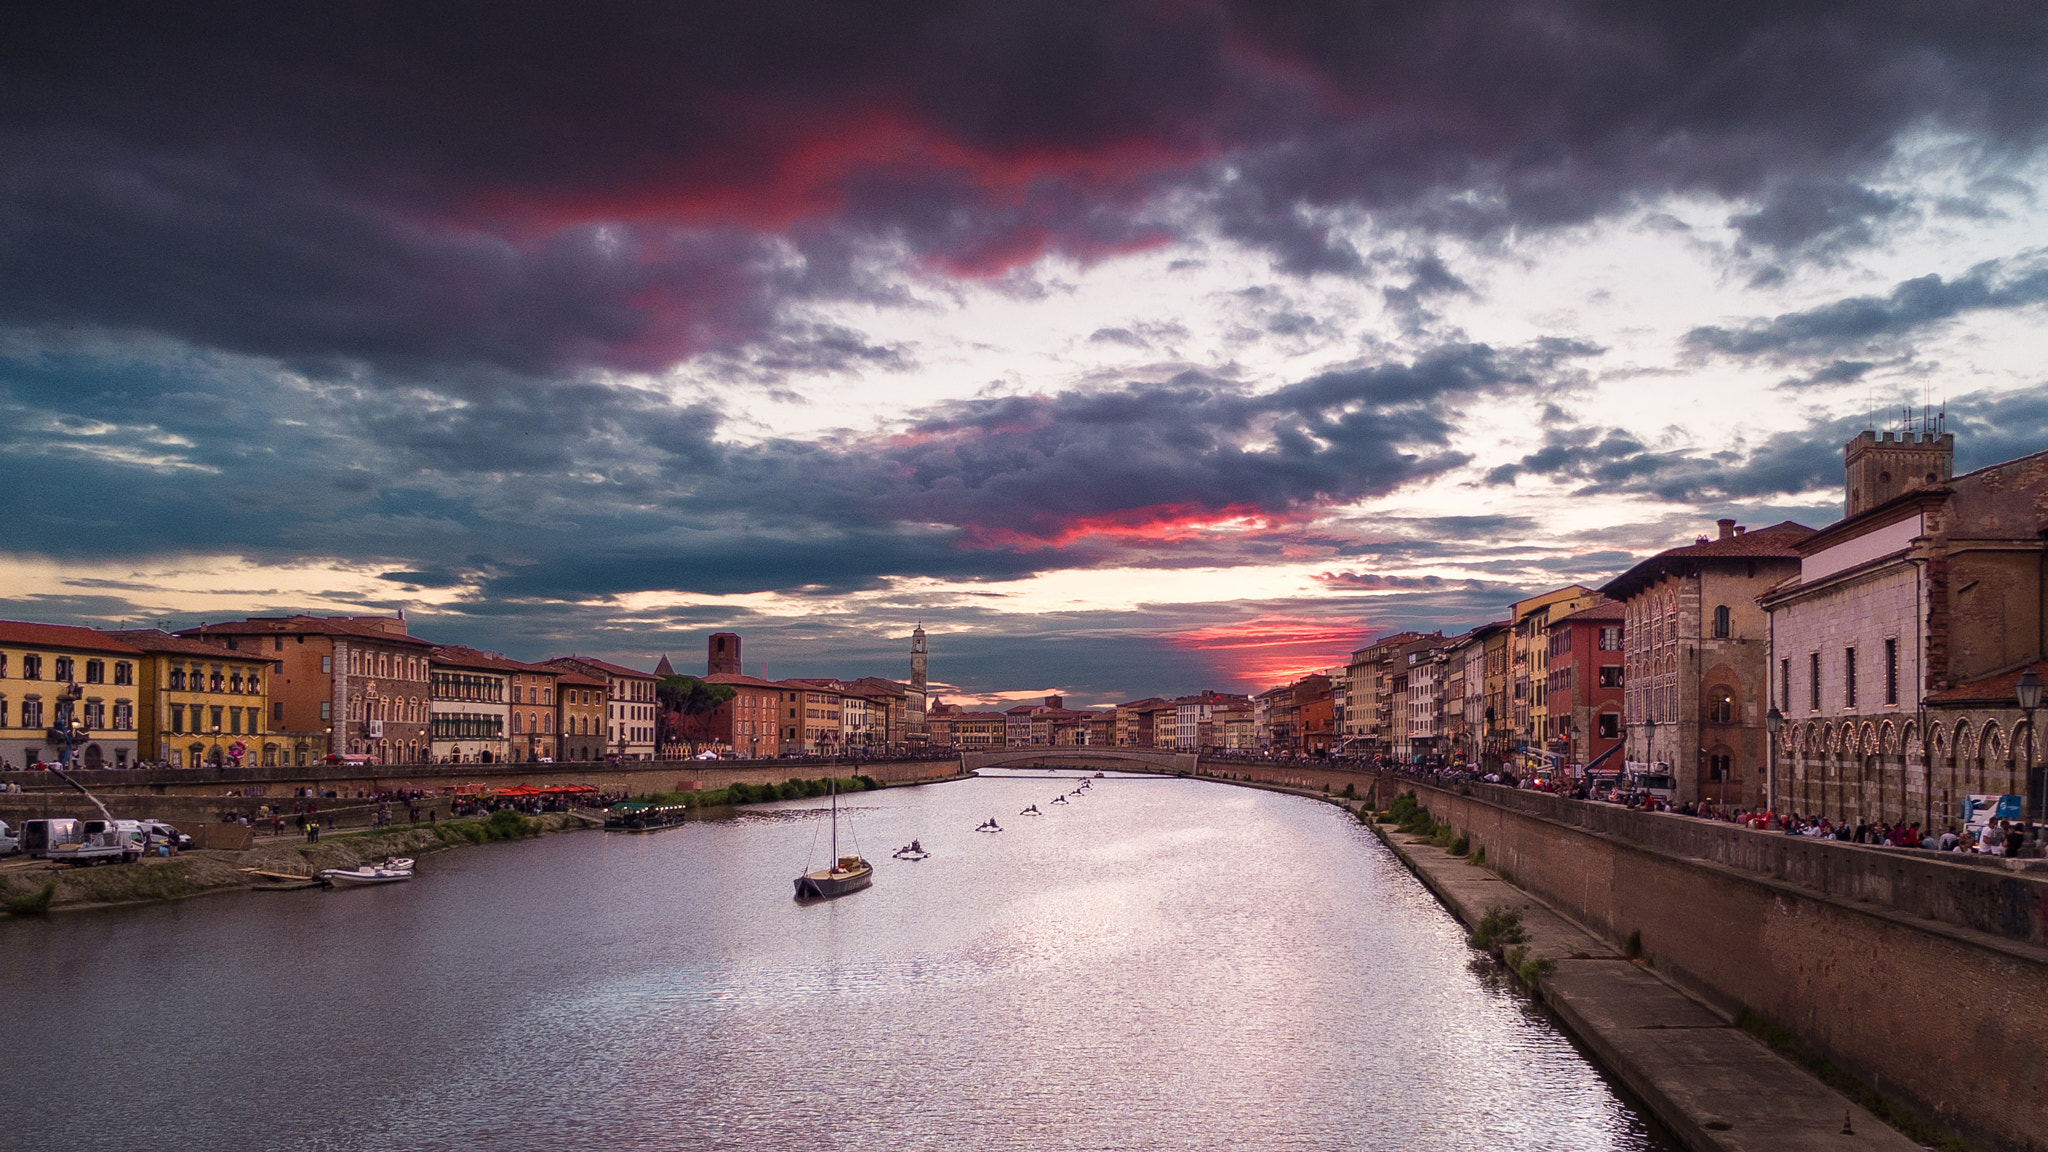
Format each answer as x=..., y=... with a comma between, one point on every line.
x=362, y=627
x=158, y=640
x=740, y=681
x=1776, y=542
x=1605, y=610
x=1999, y=690
x=32, y=635
x=457, y=656
x=589, y=662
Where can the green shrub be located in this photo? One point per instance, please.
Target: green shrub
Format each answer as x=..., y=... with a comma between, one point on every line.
x=1634, y=947
x=1462, y=846
x=1532, y=972
x=31, y=903
x=510, y=824
x=1350, y=792
x=1478, y=855
x=1497, y=929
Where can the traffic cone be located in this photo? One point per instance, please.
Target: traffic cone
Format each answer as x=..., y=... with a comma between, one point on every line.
x=1846, y=1129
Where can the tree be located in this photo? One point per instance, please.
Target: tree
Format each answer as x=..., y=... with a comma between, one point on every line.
x=685, y=701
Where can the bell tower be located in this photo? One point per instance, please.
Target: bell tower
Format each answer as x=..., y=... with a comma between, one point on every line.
x=724, y=656
x=1882, y=465
x=917, y=660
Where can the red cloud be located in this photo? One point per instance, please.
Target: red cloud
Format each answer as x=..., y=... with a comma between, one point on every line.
x=1156, y=523
x=1269, y=650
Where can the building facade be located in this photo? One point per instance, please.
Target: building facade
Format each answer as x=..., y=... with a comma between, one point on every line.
x=202, y=704
x=1696, y=648
x=349, y=685
x=533, y=734
x=630, y=728
x=750, y=723
x=580, y=712
x=471, y=714
x=1897, y=646
x=57, y=681
x=1585, y=689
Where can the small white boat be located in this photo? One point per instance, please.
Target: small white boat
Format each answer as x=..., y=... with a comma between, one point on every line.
x=363, y=874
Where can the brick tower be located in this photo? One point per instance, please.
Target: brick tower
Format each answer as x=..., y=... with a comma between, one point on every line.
x=724, y=656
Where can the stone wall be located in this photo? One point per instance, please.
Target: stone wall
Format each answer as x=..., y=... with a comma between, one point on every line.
x=189, y=796
x=1922, y=975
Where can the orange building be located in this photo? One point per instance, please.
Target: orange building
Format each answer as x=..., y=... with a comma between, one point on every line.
x=751, y=722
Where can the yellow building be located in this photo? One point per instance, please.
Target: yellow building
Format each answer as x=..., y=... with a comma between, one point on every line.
x=202, y=704
x=62, y=685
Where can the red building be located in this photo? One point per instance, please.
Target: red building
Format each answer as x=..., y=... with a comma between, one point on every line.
x=1584, y=687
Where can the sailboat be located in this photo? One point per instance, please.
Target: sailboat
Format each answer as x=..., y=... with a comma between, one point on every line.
x=845, y=874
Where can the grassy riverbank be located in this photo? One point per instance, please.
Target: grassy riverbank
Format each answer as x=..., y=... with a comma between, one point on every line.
x=200, y=872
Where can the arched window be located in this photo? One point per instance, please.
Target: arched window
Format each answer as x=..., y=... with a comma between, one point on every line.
x=1720, y=705
x=1721, y=622
x=516, y=729
x=547, y=722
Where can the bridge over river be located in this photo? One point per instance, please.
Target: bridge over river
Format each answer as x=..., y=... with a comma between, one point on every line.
x=1127, y=759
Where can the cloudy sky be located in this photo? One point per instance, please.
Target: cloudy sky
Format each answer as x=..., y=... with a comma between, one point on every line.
x=1132, y=348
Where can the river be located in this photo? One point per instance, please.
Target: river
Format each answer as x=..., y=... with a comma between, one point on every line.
x=1158, y=964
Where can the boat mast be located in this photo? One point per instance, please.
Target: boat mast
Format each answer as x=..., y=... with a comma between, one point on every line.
x=835, y=822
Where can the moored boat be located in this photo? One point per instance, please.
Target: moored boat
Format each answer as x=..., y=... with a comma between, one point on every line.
x=640, y=816
x=362, y=875
x=846, y=873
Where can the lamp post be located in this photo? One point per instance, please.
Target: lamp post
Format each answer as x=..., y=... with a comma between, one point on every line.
x=2028, y=690
x=1774, y=721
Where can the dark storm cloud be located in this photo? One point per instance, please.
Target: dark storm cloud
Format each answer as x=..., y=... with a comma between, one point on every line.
x=1861, y=322
x=537, y=187
x=524, y=487
x=1990, y=428
x=1815, y=215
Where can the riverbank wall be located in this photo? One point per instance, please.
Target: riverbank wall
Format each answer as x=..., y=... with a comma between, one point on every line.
x=209, y=795
x=1922, y=978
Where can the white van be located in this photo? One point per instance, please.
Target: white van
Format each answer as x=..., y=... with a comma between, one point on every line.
x=163, y=833
x=1658, y=784
x=9, y=842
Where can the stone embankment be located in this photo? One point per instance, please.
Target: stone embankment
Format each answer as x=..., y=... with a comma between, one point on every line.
x=1716, y=1087
x=203, y=871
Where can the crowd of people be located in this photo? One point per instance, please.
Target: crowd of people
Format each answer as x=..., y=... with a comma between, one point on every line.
x=1998, y=837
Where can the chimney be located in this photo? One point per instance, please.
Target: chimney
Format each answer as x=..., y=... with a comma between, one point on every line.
x=1727, y=528
x=1739, y=529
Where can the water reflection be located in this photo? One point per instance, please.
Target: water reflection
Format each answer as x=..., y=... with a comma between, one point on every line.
x=1157, y=964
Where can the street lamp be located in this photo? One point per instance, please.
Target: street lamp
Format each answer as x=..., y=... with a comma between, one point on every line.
x=1774, y=721
x=2028, y=690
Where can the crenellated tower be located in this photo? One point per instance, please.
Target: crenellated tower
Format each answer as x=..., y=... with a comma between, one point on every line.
x=1882, y=465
